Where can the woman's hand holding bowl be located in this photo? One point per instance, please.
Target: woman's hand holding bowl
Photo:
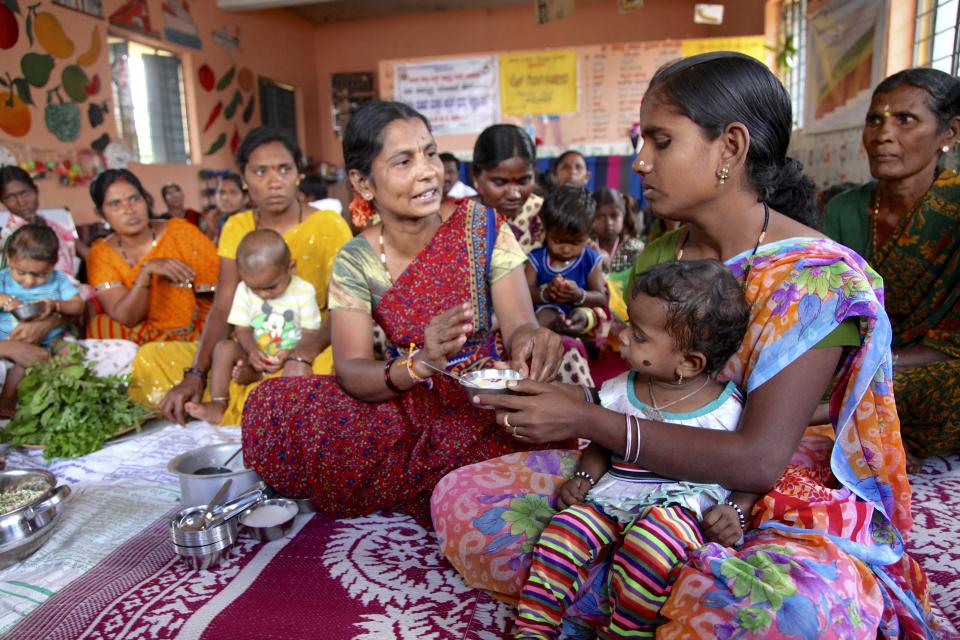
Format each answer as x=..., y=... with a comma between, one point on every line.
x=538, y=412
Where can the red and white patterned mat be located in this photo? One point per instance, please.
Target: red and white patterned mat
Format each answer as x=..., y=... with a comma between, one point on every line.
x=377, y=577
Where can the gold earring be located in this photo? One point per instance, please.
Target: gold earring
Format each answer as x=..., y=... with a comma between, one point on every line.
x=723, y=173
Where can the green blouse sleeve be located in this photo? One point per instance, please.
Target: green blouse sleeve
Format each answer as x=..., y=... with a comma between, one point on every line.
x=847, y=334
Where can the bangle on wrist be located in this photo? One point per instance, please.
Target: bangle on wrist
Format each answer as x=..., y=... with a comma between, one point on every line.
x=586, y=476
x=387, y=380
x=305, y=361
x=632, y=452
x=583, y=297
x=543, y=294
x=413, y=374
x=740, y=516
x=197, y=372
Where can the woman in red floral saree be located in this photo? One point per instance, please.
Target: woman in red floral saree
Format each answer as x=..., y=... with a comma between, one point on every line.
x=381, y=434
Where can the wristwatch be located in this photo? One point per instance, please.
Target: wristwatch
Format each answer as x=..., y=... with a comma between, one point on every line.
x=197, y=372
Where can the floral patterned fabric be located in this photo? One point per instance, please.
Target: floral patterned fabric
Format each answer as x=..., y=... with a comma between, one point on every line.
x=825, y=558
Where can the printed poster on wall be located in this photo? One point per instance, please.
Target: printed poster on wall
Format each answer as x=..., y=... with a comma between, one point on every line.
x=457, y=96
x=538, y=83
x=845, y=45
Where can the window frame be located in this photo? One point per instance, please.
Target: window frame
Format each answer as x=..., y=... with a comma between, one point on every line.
x=926, y=32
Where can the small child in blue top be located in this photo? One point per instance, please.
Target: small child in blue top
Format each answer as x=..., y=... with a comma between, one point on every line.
x=30, y=276
x=565, y=275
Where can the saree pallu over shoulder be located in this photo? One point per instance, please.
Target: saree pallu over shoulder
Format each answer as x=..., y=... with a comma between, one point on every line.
x=825, y=557
x=307, y=437
x=452, y=269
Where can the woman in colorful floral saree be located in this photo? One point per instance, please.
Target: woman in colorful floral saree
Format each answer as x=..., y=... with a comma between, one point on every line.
x=906, y=224
x=823, y=552
x=382, y=433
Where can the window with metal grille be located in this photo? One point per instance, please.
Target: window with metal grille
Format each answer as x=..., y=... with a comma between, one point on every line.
x=278, y=106
x=937, y=40
x=148, y=102
x=792, y=53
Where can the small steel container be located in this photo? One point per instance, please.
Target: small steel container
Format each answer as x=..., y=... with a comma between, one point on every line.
x=271, y=532
x=473, y=381
x=28, y=311
x=203, y=548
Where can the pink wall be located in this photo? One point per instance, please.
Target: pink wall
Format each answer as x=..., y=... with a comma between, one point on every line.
x=276, y=44
x=359, y=45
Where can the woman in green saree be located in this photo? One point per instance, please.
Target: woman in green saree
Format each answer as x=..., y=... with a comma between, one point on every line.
x=906, y=223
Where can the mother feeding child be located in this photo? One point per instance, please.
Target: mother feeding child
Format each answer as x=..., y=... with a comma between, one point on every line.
x=382, y=433
x=823, y=555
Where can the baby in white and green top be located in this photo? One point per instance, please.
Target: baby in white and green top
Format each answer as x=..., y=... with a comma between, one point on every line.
x=272, y=311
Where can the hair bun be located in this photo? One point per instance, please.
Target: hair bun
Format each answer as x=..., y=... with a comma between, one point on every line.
x=791, y=193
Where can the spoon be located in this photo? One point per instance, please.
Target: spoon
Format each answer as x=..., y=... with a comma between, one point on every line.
x=223, y=468
x=201, y=522
x=459, y=379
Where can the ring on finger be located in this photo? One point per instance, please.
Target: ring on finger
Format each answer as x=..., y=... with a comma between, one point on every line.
x=506, y=421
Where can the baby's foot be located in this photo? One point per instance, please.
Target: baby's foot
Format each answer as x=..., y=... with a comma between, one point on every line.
x=243, y=373
x=211, y=412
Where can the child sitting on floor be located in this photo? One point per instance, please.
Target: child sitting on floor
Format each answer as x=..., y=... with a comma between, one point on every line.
x=30, y=276
x=686, y=320
x=272, y=311
x=565, y=275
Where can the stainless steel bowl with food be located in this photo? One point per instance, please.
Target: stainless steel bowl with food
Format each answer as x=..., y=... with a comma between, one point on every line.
x=31, y=504
x=488, y=381
x=28, y=311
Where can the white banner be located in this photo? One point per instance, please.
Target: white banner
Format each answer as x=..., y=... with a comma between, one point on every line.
x=457, y=96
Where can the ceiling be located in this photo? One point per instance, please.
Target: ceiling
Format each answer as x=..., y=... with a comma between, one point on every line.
x=338, y=10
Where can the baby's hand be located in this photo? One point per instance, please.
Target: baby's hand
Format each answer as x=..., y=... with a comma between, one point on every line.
x=275, y=363
x=721, y=524
x=259, y=361
x=572, y=492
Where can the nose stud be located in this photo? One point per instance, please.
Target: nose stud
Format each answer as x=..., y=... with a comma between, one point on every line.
x=641, y=163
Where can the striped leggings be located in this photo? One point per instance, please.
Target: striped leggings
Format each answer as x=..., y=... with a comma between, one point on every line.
x=647, y=556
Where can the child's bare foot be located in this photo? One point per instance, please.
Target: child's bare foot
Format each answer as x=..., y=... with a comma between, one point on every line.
x=243, y=373
x=211, y=412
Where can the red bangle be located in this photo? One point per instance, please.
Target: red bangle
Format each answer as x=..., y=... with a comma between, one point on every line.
x=388, y=381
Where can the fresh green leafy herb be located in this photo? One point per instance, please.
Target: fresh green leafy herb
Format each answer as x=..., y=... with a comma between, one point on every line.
x=70, y=410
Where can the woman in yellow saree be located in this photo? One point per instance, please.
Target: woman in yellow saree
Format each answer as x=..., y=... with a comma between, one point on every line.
x=168, y=375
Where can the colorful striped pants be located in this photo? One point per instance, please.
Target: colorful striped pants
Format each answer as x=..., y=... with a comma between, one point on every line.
x=647, y=555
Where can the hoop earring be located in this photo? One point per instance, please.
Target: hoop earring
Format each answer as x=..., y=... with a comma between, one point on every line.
x=723, y=173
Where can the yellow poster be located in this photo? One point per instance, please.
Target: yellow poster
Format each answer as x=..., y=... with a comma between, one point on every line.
x=538, y=83
x=749, y=45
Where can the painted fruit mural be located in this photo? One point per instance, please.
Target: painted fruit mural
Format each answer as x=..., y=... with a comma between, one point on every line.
x=36, y=68
x=9, y=29
x=14, y=115
x=49, y=33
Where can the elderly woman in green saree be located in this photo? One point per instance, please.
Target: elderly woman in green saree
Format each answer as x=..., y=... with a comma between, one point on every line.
x=906, y=223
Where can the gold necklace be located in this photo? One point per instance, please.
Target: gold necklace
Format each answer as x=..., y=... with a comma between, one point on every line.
x=123, y=253
x=763, y=234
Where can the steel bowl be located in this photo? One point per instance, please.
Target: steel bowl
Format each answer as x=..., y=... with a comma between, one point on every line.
x=278, y=530
x=28, y=311
x=492, y=381
x=198, y=490
x=24, y=530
